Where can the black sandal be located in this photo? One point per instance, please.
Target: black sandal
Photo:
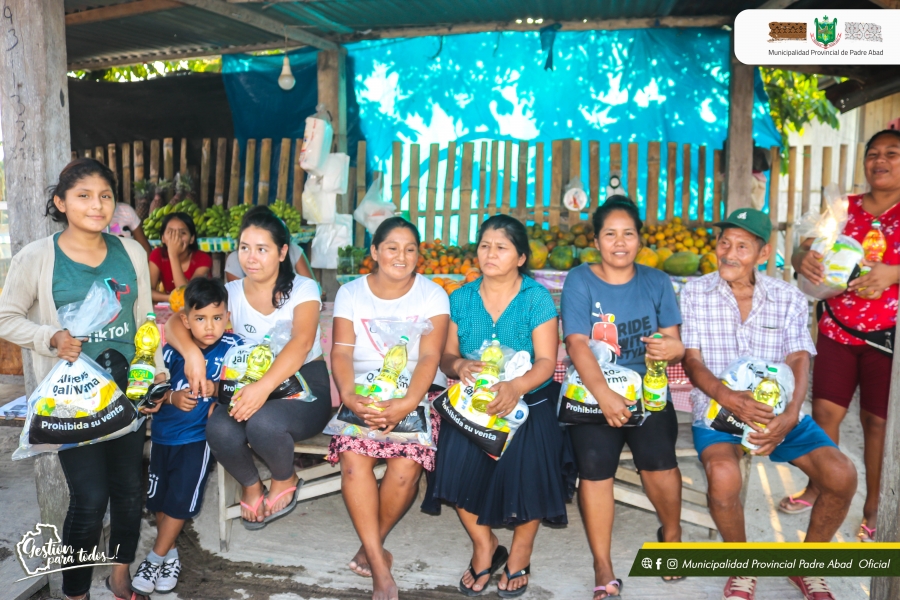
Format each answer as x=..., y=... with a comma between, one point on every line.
x=674, y=578
x=510, y=577
x=500, y=556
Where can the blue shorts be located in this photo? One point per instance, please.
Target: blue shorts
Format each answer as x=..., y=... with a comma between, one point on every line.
x=801, y=440
x=177, y=479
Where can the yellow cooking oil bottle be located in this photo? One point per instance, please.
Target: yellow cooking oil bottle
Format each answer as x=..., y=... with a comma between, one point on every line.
x=143, y=366
x=258, y=362
x=874, y=246
x=655, y=383
x=492, y=357
x=385, y=383
x=767, y=392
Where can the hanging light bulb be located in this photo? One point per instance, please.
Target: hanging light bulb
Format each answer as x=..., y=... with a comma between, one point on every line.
x=286, y=80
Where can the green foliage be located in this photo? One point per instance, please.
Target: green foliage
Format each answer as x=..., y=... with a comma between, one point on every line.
x=151, y=70
x=795, y=100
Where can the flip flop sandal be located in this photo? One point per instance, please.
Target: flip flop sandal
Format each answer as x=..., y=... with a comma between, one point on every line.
x=796, y=506
x=254, y=525
x=675, y=578
x=290, y=506
x=510, y=577
x=500, y=556
x=866, y=534
x=602, y=588
x=134, y=595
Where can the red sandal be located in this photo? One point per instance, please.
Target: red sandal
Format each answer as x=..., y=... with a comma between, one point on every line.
x=254, y=525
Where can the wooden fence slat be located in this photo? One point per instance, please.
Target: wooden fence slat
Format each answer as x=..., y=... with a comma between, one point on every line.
x=859, y=170
x=827, y=176
x=842, y=168
x=465, y=192
x=774, y=197
x=686, y=183
x=111, y=162
x=138, y=160
x=633, y=172
x=805, y=197
x=100, y=154
x=205, y=158
x=574, y=154
x=88, y=153
x=718, y=177
x=615, y=158
x=594, y=176
x=671, y=172
x=168, y=159
x=540, y=204
x=507, y=176
x=284, y=170
x=74, y=155
x=789, y=218
x=221, y=158
x=126, y=174
x=249, y=171
x=414, y=167
x=431, y=192
x=448, y=192
x=521, y=183
x=495, y=159
x=183, y=156
x=482, y=182
x=396, y=174
x=154, y=161
x=653, y=151
x=300, y=177
x=265, y=170
x=556, y=175
x=360, y=188
x=234, y=181
x=701, y=184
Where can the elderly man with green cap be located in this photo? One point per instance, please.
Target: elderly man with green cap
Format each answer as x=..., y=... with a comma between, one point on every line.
x=740, y=312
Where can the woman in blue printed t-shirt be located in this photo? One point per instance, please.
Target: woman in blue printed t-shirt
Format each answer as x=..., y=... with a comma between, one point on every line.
x=526, y=484
x=622, y=304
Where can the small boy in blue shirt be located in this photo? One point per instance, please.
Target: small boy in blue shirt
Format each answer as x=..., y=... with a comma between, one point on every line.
x=179, y=455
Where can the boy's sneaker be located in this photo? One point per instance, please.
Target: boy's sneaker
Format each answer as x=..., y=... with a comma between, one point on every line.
x=146, y=577
x=813, y=588
x=740, y=588
x=168, y=575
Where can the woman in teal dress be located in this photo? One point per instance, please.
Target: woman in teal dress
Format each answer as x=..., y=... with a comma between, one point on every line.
x=526, y=484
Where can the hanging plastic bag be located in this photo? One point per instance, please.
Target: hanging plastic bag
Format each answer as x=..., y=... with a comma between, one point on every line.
x=234, y=365
x=78, y=403
x=318, y=205
x=336, y=173
x=744, y=375
x=414, y=428
x=330, y=238
x=577, y=405
x=841, y=254
x=317, y=138
x=575, y=197
x=491, y=433
x=373, y=210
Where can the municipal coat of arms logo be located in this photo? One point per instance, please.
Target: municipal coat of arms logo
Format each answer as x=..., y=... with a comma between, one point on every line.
x=826, y=34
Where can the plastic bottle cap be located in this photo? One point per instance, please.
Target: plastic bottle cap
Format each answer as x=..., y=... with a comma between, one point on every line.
x=151, y=316
x=403, y=338
x=772, y=370
x=876, y=223
x=657, y=335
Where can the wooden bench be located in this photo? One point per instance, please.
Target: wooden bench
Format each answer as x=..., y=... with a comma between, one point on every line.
x=319, y=480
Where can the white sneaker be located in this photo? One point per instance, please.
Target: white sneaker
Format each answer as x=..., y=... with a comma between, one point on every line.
x=145, y=579
x=168, y=575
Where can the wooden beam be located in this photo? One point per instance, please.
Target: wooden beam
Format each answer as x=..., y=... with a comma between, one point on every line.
x=332, y=82
x=93, y=63
x=776, y=4
x=262, y=22
x=739, y=153
x=887, y=4
x=120, y=11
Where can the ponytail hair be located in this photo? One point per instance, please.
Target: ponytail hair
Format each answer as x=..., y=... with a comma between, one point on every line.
x=263, y=218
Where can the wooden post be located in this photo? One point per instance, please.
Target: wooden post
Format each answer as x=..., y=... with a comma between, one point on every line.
x=842, y=168
x=183, y=156
x=685, y=183
x=507, y=176
x=521, y=183
x=205, y=158
x=557, y=148
x=300, y=177
x=112, y=163
x=827, y=177
x=859, y=170
x=701, y=184
x=482, y=182
x=249, y=171
x=138, y=160
x=332, y=82
x=495, y=159
x=774, y=179
x=414, y=184
x=671, y=173
x=807, y=180
x=789, y=219
x=465, y=192
x=431, y=192
x=265, y=171
x=717, y=186
x=234, y=180
x=633, y=172
x=34, y=104
x=126, y=173
x=652, y=216
x=169, y=159
x=539, y=204
x=98, y=154
x=221, y=158
x=397, y=173
x=574, y=171
x=154, y=161
x=448, y=192
x=594, y=176
x=739, y=151
x=284, y=169
x=360, y=188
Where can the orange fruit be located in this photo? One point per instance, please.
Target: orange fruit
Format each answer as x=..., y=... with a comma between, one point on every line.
x=176, y=299
x=472, y=275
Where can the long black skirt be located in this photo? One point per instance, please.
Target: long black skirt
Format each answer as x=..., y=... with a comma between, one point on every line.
x=528, y=482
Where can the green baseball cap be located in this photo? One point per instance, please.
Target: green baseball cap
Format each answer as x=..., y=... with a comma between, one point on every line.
x=749, y=219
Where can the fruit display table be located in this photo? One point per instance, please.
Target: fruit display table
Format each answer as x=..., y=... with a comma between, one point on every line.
x=227, y=244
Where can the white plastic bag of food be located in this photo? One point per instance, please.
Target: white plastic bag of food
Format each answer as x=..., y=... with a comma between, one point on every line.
x=744, y=375
x=317, y=138
x=78, y=403
x=489, y=432
x=318, y=205
x=577, y=405
x=336, y=173
x=330, y=237
x=373, y=210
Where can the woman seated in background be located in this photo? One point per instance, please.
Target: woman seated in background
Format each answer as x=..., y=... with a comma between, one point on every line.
x=179, y=238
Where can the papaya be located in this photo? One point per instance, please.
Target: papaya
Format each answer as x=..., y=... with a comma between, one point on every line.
x=539, y=254
x=578, y=228
x=590, y=256
x=647, y=257
x=662, y=254
x=562, y=258
x=682, y=264
x=709, y=263
x=581, y=241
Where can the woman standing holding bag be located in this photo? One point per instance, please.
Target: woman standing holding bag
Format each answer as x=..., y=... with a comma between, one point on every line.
x=526, y=485
x=395, y=291
x=51, y=273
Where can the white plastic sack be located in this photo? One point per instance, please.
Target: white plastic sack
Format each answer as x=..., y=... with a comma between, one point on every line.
x=744, y=375
x=317, y=138
x=329, y=238
x=373, y=210
x=318, y=205
x=234, y=365
x=575, y=197
x=336, y=173
x=841, y=254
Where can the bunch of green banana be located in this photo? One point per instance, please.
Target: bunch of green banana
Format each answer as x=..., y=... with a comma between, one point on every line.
x=153, y=223
x=235, y=216
x=190, y=207
x=288, y=214
x=213, y=222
